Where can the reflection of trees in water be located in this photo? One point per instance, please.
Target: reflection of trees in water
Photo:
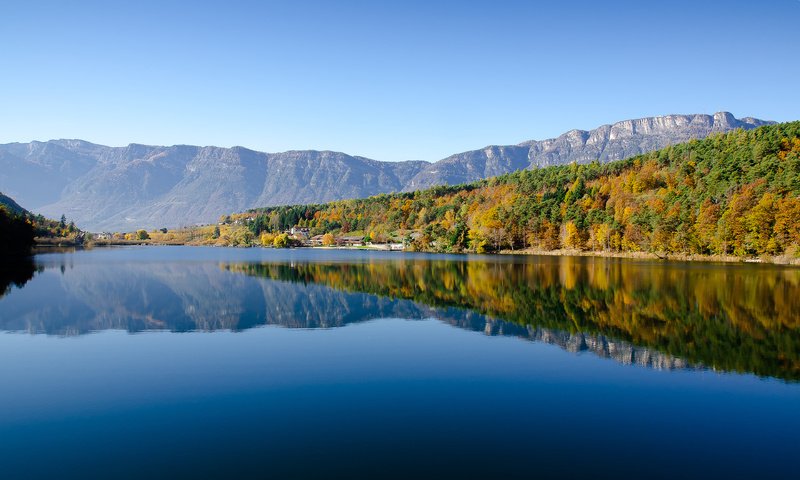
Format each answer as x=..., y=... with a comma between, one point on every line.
x=15, y=272
x=734, y=318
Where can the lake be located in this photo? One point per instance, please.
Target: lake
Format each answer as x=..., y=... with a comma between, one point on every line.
x=165, y=362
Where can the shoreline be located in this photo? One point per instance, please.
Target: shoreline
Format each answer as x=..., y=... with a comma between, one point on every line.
x=783, y=260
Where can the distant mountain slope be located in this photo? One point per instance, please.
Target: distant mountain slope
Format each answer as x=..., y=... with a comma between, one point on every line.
x=36, y=173
x=121, y=188
x=146, y=186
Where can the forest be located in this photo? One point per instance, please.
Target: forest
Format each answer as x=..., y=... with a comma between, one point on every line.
x=735, y=194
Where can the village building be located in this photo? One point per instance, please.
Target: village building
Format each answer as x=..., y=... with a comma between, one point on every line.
x=350, y=241
x=316, y=240
x=299, y=232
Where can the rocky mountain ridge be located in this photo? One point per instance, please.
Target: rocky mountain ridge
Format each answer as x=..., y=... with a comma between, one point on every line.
x=606, y=143
x=141, y=186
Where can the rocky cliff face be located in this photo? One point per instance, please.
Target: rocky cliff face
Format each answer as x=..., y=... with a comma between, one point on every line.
x=606, y=143
x=140, y=186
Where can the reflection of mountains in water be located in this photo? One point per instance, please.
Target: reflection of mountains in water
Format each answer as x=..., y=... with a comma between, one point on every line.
x=179, y=298
x=623, y=352
x=86, y=298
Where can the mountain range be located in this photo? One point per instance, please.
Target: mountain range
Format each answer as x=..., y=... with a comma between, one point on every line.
x=141, y=186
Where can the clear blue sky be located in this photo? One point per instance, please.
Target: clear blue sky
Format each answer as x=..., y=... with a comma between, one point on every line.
x=388, y=80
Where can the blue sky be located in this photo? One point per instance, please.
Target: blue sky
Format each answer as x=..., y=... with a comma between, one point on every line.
x=386, y=80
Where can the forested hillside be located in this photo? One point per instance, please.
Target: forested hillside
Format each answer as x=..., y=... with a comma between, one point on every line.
x=19, y=227
x=736, y=193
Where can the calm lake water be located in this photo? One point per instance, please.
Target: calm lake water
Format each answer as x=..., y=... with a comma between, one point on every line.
x=174, y=362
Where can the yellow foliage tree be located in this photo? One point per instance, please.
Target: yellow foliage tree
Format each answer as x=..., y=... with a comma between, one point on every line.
x=281, y=241
x=267, y=239
x=599, y=236
x=328, y=240
x=787, y=222
x=760, y=223
x=705, y=227
x=572, y=236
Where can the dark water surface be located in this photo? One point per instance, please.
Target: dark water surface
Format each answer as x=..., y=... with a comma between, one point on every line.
x=216, y=363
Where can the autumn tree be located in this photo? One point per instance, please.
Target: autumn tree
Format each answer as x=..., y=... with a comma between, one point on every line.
x=760, y=225
x=705, y=227
x=328, y=240
x=787, y=222
x=281, y=241
x=267, y=239
x=572, y=236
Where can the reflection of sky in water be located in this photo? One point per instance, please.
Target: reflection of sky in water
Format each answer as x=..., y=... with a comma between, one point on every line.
x=396, y=390
x=418, y=393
